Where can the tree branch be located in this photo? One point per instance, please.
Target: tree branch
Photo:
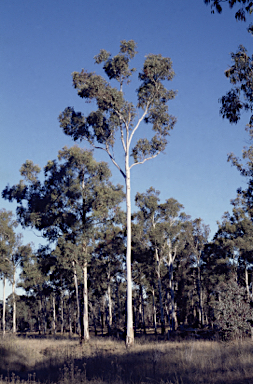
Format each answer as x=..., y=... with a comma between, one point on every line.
x=139, y=121
x=112, y=159
x=147, y=158
x=122, y=138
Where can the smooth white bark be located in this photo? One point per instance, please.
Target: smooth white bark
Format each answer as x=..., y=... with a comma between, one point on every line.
x=130, y=330
x=247, y=281
x=77, y=299
x=54, y=314
x=154, y=310
x=200, y=296
x=4, y=305
x=86, y=335
x=171, y=260
x=62, y=312
x=158, y=264
x=109, y=304
x=14, y=302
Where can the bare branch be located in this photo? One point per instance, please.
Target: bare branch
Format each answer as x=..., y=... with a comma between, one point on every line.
x=138, y=123
x=147, y=158
x=112, y=158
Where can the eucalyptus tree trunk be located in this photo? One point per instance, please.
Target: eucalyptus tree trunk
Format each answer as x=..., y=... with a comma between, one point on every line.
x=247, y=281
x=118, y=317
x=39, y=316
x=77, y=300
x=172, y=293
x=4, y=305
x=86, y=335
x=200, y=296
x=102, y=312
x=109, y=306
x=70, y=317
x=140, y=319
x=44, y=309
x=135, y=311
x=62, y=312
x=143, y=311
x=42, y=313
x=158, y=263
x=14, y=303
x=130, y=330
x=154, y=311
x=54, y=314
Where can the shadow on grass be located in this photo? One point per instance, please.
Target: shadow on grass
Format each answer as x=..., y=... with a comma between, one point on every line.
x=156, y=362
x=111, y=368
x=11, y=360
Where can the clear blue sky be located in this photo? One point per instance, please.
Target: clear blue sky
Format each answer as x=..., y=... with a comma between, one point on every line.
x=43, y=42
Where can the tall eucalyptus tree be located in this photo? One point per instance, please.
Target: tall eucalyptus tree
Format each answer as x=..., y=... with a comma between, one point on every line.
x=115, y=114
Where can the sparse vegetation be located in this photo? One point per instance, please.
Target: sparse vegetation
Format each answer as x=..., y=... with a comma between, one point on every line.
x=64, y=361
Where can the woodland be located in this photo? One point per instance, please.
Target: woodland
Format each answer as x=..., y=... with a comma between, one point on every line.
x=151, y=271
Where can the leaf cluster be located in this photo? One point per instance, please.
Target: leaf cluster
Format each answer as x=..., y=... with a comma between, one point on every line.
x=247, y=6
x=240, y=97
x=114, y=113
x=7, y=239
x=76, y=191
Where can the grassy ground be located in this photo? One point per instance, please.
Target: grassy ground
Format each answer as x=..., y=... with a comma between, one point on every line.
x=63, y=361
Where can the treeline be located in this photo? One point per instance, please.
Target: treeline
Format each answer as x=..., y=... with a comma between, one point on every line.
x=181, y=279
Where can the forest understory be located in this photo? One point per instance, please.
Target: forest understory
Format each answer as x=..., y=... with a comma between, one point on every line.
x=62, y=360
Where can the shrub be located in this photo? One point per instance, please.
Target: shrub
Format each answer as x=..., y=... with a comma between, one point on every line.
x=233, y=311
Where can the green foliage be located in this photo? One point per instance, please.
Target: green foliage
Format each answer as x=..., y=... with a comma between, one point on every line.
x=162, y=222
x=7, y=240
x=233, y=311
x=235, y=234
x=30, y=171
x=240, y=98
x=114, y=112
x=118, y=67
x=73, y=188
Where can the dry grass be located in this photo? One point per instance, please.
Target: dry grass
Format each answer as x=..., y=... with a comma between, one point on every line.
x=64, y=361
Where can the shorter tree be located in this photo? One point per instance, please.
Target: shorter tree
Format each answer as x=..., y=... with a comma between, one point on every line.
x=234, y=314
x=20, y=252
x=7, y=244
x=196, y=240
